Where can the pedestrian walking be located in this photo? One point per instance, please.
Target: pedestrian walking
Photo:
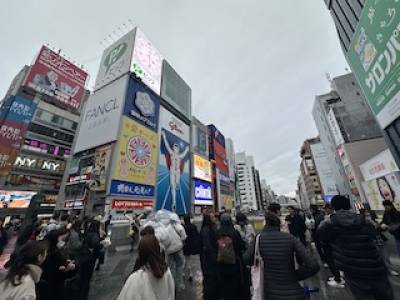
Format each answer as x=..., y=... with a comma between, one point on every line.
x=208, y=256
x=57, y=267
x=3, y=236
x=296, y=224
x=175, y=257
x=134, y=232
x=318, y=217
x=24, y=272
x=192, y=245
x=230, y=260
x=274, y=208
x=355, y=252
x=391, y=222
x=278, y=251
x=152, y=279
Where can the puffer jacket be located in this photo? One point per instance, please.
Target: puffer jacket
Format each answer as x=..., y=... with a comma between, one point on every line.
x=353, y=244
x=281, y=278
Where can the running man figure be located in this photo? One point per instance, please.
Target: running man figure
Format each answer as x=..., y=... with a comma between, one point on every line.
x=175, y=167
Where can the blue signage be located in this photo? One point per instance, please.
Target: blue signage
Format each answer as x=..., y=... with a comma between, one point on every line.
x=19, y=110
x=142, y=105
x=202, y=193
x=122, y=188
x=328, y=198
x=217, y=135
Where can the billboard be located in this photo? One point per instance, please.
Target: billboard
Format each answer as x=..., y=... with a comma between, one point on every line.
x=123, y=188
x=136, y=157
x=175, y=90
x=116, y=60
x=147, y=62
x=53, y=75
x=12, y=133
x=373, y=56
x=21, y=110
x=335, y=129
x=378, y=166
x=100, y=119
x=142, y=105
x=202, y=168
x=173, y=184
x=39, y=163
x=7, y=158
x=101, y=163
x=382, y=188
x=202, y=193
x=15, y=199
x=215, y=134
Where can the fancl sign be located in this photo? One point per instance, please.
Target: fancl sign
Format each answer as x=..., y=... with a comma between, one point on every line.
x=101, y=110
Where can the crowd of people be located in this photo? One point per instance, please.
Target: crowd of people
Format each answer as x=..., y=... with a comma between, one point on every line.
x=57, y=259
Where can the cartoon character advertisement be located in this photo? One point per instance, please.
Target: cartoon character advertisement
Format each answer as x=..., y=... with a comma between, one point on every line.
x=137, y=154
x=173, y=184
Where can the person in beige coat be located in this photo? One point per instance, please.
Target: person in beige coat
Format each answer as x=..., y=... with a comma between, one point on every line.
x=24, y=272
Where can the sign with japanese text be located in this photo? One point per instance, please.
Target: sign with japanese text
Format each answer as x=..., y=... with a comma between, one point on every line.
x=374, y=58
x=12, y=133
x=53, y=75
x=121, y=188
x=142, y=105
x=131, y=204
x=21, y=110
x=380, y=165
x=202, y=168
x=382, y=188
x=7, y=158
x=136, y=159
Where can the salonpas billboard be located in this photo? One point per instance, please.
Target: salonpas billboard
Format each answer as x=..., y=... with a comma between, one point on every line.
x=101, y=116
x=374, y=58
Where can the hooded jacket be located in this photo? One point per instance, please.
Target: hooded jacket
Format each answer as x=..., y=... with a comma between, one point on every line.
x=25, y=290
x=353, y=244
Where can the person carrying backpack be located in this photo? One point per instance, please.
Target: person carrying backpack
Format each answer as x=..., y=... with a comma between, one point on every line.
x=230, y=248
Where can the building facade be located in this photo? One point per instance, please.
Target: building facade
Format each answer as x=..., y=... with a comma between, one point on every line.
x=245, y=179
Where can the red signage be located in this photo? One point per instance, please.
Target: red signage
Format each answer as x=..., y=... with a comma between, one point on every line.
x=131, y=204
x=7, y=158
x=56, y=77
x=11, y=134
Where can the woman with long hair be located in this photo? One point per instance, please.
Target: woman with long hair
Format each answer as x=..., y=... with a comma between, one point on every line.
x=208, y=256
x=151, y=278
x=192, y=245
x=391, y=221
x=24, y=272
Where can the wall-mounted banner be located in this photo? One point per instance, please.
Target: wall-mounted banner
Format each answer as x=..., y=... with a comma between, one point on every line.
x=147, y=62
x=38, y=163
x=101, y=163
x=12, y=133
x=101, y=116
x=202, y=168
x=136, y=159
x=121, y=204
x=142, y=105
x=56, y=77
x=374, y=58
x=173, y=187
x=121, y=188
x=378, y=166
x=7, y=158
x=21, y=110
x=116, y=60
x=202, y=193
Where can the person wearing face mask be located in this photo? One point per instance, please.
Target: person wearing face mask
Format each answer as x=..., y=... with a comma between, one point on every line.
x=24, y=272
x=57, y=267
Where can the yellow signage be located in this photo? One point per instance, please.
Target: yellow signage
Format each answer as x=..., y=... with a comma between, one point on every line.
x=202, y=168
x=137, y=154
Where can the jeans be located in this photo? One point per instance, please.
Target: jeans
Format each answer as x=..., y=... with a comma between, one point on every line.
x=376, y=289
x=176, y=262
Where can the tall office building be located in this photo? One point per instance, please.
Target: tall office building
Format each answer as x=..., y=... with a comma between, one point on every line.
x=246, y=184
x=38, y=117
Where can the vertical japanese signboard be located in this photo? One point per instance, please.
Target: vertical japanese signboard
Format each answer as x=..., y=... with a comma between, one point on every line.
x=374, y=56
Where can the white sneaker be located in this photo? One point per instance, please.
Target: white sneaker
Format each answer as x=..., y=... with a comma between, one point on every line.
x=394, y=273
x=333, y=279
x=335, y=284
x=325, y=265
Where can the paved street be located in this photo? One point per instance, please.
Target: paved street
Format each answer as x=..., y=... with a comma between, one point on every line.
x=109, y=280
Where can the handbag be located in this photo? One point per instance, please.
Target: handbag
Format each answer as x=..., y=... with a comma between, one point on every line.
x=257, y=273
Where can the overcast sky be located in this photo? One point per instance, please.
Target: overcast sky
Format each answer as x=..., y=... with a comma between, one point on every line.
x=254, y=66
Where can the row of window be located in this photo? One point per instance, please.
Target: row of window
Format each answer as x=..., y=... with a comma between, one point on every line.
x=51, y=118
x=55, y=134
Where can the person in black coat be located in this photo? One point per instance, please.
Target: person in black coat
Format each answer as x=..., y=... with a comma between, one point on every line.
x=296, y=224
x=278, y=249
x=208, y=256
x=192, y=244
x=355, y=253
x=318, y=217
x=391, y=221
x=231, y=276
x=3, y=236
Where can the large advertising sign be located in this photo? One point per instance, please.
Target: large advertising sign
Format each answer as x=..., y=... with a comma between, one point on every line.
x=373, y=56
x=56, y=77
x=101, y=163
x=136, y=159
x=383, y=188
x=202, y=193
x=142, y=105
x=217, y=135
x=101, y=117
x=121, y=204
x=147, y=61
x=378, y=166
x=38, y=163
x=116, y=60
x=122, y=188
x=175, y=90
x=335, y=129
x=7, y=158
x=12, y=133
x=173, y=186
x=15, y=199
x=202, y=168
x=21, y=110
